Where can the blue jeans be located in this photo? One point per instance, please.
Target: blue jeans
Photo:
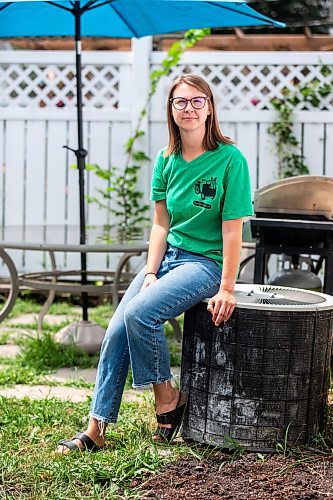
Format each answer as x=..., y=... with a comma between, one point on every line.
x=135, y=335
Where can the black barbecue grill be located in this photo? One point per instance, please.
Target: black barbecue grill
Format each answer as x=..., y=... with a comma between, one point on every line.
x=294, y=216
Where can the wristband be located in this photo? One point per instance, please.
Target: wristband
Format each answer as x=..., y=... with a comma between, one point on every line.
x=150, y=273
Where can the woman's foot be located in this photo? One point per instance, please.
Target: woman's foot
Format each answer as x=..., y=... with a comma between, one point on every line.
x=93, y=432
x=168, y=405
x=166, y=400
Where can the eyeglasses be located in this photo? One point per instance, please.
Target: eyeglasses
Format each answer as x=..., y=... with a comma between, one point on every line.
x=181, y=102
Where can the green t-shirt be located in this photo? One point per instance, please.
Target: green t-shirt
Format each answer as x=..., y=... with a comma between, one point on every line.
x=200, y=194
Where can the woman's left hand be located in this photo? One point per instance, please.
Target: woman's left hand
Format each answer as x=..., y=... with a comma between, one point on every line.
x=221, y=306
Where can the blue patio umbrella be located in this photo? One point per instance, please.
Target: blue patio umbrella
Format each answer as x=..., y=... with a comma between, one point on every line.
x=121, y=19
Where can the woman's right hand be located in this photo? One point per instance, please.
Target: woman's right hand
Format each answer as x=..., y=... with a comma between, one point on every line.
x=149, y=280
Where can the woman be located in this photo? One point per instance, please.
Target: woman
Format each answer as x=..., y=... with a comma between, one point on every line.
x=201, y=191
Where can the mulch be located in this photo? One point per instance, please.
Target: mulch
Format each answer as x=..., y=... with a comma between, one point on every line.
x=252, y=477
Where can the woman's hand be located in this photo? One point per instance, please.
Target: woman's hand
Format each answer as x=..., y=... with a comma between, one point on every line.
x=149, y=280
x=221, y=306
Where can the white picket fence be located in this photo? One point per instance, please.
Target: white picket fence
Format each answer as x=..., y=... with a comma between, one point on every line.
x=38, y=117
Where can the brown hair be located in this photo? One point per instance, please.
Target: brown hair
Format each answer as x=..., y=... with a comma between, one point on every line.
x=213, y=135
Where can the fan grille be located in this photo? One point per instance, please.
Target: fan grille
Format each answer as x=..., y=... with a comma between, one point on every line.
x=278, y=296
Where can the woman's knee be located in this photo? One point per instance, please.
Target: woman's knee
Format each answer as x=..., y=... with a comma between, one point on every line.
x=137, y=311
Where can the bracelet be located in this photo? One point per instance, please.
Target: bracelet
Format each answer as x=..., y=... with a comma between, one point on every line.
x=150, y=273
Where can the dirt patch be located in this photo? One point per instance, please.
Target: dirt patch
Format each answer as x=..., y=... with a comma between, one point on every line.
x=251, y=477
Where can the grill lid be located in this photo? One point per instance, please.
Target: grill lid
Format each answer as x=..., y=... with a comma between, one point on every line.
x=305, y=195
x=270, y=297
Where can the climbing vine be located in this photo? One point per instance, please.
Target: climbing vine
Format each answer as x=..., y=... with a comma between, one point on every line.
x=288, y=148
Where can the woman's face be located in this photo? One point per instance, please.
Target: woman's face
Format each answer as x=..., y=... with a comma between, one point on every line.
x=189, y=118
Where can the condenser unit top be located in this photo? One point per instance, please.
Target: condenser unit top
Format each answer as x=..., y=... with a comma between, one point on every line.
x=273, y=298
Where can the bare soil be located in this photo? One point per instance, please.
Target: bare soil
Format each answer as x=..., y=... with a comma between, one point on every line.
x=251, y=477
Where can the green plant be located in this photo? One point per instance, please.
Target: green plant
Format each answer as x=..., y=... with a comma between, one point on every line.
x=12, y=374
x=283, y=447
x=4, y=337
x=43, y=353
x=288, y=149
x=234, y=446
x=261, y=458
x=121, y=188
x=129, y=211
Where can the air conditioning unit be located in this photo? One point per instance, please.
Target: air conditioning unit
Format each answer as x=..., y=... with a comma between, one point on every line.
x=264, y=374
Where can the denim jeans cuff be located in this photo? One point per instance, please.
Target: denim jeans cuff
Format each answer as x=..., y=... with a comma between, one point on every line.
x=155, y=382
x=105, y=420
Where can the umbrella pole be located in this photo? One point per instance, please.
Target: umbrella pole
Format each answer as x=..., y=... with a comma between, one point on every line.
x=84, y=329
x=81, y=154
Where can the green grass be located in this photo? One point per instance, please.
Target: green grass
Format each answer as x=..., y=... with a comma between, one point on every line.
x=4, y=337
x=101, y=314
x=43, y=353
x=25, y=305
x=30, y=430
x=40, y=356
x=175, y=345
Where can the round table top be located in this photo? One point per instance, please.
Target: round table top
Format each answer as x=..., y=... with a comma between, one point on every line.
x=67, y=239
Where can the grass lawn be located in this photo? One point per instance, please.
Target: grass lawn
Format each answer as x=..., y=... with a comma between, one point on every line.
x=30, y=469
x=30, y=430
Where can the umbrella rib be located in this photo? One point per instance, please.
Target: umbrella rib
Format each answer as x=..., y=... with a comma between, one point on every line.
x=252, y=16
x=5, y=5
x=60, y=6
x=92, y=4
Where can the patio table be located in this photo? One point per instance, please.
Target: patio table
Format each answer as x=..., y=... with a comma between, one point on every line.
x=62, y=239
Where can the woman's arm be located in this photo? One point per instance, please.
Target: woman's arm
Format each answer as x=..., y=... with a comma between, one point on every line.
x=157, y=241
x=223, y=303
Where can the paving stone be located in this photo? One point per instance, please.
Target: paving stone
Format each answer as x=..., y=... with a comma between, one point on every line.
x=31, y=318
x=15, y=333
x=68, y=393
x=88, y=374
x=9, y=351
x=64, y=393
x=67, y=374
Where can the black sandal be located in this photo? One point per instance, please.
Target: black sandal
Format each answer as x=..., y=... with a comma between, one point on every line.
x=174, y=417
x=88, y=443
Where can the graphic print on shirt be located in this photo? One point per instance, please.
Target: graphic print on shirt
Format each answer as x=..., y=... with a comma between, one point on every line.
x=206, y=189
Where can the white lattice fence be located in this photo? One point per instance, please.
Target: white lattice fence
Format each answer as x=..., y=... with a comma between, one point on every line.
x=249, y=81
x=241, y=81
x=47, y=80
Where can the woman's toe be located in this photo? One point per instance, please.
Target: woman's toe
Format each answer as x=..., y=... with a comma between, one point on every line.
x=64, y=450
